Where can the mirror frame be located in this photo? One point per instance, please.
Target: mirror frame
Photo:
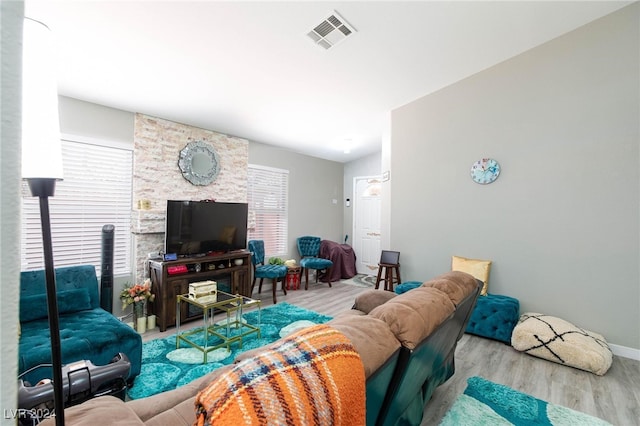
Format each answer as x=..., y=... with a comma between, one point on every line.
x=185, y=163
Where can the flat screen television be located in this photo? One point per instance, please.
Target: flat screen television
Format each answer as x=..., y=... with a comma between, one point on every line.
x=204, y=227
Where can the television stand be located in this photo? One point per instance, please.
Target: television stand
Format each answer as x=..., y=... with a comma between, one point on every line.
x=172, y=278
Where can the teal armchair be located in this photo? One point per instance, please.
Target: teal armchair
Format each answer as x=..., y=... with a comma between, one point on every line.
x=262, y=271
x=309, y=248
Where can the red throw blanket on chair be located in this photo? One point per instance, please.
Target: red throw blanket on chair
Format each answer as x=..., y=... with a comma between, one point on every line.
x=313, y=377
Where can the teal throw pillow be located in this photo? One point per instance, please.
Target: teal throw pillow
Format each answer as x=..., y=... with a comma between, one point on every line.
x=35, y=307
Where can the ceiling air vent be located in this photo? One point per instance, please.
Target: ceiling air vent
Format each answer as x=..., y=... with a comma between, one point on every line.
x=331, y=31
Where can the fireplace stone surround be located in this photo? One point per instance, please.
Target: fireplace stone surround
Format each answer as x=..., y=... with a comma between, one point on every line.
x=157, y=178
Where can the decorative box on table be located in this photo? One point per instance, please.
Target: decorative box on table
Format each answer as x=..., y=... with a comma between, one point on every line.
x=204, y=291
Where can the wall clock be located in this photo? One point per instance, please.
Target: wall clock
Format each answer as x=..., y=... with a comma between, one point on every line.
x=485, y=171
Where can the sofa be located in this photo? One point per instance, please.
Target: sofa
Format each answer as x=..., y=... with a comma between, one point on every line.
x=87, y=332
x=406, y=344
x=493, y=317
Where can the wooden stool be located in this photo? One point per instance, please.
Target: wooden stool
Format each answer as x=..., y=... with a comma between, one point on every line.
x=388, y=267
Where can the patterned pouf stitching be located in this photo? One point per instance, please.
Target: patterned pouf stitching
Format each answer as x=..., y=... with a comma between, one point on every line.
x=494, y=317
x=557, y=340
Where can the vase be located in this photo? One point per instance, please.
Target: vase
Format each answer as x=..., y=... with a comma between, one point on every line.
x=138, y=315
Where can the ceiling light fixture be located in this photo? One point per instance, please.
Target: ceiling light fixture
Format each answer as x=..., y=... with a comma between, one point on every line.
x=331, y=31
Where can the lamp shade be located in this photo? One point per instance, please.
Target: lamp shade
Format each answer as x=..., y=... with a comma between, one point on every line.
x=41, y=146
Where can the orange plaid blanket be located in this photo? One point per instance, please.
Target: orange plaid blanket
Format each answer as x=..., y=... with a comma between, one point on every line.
x=312, y=377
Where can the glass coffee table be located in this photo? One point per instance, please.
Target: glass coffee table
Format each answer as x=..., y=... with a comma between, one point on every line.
x=232, y=329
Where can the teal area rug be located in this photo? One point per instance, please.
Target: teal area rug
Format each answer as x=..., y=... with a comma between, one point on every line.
x=488, y=403
x=165, y=368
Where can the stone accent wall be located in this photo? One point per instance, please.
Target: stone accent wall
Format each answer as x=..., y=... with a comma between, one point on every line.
x=157, y=178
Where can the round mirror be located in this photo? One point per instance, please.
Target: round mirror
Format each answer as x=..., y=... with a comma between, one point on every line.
x=199, y=163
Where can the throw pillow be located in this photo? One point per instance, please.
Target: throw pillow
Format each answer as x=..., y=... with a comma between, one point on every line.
x=73, y=300
x=476, y=267
x=35, y=307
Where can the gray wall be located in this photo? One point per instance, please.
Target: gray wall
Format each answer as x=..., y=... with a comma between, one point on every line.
x=95, y=121
x=314, y=184
x=561, y=223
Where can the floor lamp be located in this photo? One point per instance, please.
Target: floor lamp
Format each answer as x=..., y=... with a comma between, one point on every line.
x=42, y=165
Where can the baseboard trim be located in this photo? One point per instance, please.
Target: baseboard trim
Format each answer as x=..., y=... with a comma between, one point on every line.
x=625, y=352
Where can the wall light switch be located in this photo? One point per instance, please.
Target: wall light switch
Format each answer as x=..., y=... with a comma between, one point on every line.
x=334, y=201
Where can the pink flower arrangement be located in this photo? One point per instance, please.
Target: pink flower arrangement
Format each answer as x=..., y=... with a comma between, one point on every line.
x=137, y=293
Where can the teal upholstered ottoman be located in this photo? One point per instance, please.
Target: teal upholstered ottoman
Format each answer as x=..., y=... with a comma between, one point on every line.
x=409, y=285
x=494, y=317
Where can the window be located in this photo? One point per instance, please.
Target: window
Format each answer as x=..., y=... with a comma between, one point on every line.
x=96, y=191
x=268, y=194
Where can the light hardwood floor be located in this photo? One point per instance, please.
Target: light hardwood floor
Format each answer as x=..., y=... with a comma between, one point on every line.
x=614, y=397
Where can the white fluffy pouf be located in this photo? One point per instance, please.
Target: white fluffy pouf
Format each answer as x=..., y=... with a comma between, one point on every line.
x=557, y=340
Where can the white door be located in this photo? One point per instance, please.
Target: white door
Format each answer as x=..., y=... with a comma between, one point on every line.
x=366, y=224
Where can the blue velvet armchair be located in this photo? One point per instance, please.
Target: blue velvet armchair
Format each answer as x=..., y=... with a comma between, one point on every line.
x=309, y=248
x=262, y=271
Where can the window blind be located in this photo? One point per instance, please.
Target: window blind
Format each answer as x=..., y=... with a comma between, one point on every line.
x=96, y=191
x=268, y=195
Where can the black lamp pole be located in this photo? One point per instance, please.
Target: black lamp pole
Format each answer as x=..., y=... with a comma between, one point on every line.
x=45, y=188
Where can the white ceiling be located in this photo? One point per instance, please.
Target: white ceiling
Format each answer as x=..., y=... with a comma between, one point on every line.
x=248, y=69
